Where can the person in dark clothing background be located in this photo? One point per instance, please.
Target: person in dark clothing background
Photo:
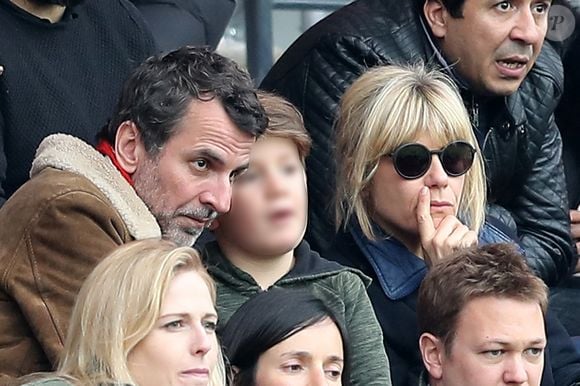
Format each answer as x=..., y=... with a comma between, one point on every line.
x=64, y=64
x=565, y=298
x=176, y=23
x=567, y=42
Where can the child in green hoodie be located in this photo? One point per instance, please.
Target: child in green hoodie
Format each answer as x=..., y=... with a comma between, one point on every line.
x=259, y=243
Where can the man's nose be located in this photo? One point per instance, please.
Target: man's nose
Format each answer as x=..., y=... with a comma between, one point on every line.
x=527, y=28
x=218, y=196
x=515, y=371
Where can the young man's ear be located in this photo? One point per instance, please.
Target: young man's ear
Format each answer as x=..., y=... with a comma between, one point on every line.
x=436, y=16
x=432, y=351
x=128, y=146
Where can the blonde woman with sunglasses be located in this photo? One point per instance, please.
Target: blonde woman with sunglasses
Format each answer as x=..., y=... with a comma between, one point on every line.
x=410, y=190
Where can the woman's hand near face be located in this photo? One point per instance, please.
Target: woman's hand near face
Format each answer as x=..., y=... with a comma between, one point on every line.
x=449, y=236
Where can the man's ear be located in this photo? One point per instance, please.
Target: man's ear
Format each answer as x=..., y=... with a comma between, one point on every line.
x=128, y=146
x=436, y=16
x=432, y=351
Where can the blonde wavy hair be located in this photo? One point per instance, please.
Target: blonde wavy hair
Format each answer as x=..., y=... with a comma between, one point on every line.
x=385, y=108
x=117, y=307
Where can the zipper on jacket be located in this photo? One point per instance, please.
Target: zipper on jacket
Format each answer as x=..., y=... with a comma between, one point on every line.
x=474, y=112
x=486, y=138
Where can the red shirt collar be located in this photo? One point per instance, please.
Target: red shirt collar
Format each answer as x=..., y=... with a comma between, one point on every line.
x=105, y=148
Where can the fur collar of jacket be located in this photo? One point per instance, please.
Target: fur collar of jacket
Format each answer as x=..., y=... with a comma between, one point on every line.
x=71, y=154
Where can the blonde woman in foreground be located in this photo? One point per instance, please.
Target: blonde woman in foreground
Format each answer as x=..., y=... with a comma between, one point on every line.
x=145, y=316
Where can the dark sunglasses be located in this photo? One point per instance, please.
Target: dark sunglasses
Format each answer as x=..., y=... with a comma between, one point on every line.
x=412, y=160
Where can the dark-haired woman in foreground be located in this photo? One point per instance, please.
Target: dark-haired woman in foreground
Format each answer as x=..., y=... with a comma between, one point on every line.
x=286, y=337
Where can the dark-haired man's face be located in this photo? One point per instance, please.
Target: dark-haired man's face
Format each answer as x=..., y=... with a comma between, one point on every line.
x=495, y=44
x=189, y=182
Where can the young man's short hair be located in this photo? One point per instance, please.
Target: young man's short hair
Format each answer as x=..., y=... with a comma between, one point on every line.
x=285, y=121
x=494, y=270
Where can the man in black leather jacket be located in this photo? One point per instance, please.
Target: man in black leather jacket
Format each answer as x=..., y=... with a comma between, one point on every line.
x=510, y=81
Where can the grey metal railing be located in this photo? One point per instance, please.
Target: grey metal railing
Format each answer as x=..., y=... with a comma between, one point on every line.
x=258, y=15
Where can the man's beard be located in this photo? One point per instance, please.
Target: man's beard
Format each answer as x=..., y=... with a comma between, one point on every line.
x=65, y=3
x=148, y=187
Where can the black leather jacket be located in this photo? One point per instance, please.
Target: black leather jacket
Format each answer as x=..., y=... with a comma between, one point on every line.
x=518, y=135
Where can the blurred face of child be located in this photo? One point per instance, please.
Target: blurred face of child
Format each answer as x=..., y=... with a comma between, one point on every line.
x=311, y=357
x=269, y=201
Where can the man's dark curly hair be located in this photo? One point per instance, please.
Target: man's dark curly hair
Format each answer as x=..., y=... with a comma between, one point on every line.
x=157, y=95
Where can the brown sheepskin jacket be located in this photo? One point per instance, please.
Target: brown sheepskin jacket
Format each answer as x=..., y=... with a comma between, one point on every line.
x=53, y=231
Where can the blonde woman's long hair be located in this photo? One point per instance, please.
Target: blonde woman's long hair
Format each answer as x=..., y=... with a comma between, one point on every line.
x=117, y=307
x=385, y=108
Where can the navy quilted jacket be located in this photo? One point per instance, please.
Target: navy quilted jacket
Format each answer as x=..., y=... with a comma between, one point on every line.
x=518, y=135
